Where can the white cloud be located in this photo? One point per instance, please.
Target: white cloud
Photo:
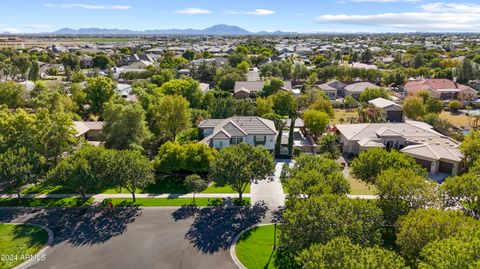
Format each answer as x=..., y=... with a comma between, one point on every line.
x=452, y=7
x=260, y=12
x=193, y=11
x=384, y=1
x=432, y=17
x=89, y=6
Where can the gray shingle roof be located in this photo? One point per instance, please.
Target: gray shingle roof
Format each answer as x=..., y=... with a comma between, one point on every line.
x=238, y=127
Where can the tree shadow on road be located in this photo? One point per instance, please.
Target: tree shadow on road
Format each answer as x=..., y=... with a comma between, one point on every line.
x=215, y=228
x=83, y=225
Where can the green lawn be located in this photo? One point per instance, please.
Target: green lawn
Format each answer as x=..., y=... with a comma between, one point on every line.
x=255, y=248
x=161, y=186
x=163, y=201
x=358, y=187
x=19, y=241
x=47, y=202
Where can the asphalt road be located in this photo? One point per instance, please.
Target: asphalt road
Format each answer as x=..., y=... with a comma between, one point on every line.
x=139, y=237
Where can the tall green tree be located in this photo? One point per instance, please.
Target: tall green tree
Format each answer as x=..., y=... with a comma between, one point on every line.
x=463, y=192
x=16, y=169
x=99, y=91
x=125, y=126
x=188, y=88
x=240, y=165
x=316, y=122
x=133, y=171
x=284, y=103
x=11, y=94
x=370, y=163
x=402, y=190
x=171, y=116
x=317, y=220
x=340, y=253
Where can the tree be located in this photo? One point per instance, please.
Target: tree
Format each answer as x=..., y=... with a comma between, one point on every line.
x=87, y=170
x=314, y=175
x=11, y=94
x=245, y=107
x=240, y=165
x=223, y=108
x=187, y=88
x=189, y=54
x=433, y=105
x=370, y=163
x=102, y=61
x=264, y=105
x=350, y=102
x=396, y=77
x=414, y=108
x=195, y=184
x=328, y=145
x=371, y=114
x=272, y=86
x=133, y=170
x=161, y=77
x=470, y=146
x=422, y=226
x=284, y=103
x=125, y=126
x=463, y=192
x=99, y=91
x=316, y=121
x=191, y=157
x=320, y=219
x=323, y=104
x=172, y=116
x=34, y=72
x=340, y=253
x=454, y=106
x=372, y=93
x=16, y=169
x=402, y=190
x=466, y=71
x=71, y=61
x=453, y=252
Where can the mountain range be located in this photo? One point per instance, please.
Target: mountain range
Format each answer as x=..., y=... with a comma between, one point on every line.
x=220, y=29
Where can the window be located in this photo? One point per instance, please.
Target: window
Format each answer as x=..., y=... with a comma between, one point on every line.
x=260, y=138
x=236, y=140
x=220, y=144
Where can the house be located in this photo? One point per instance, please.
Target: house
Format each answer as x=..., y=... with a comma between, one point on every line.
x=249, y=89
x=393, y=110
x=91, y=131
x=435, y=152
x=356, y=89
x=257, y=131
x=333, y=89
x=444, y=89
x=301, y=138
x=123, y=90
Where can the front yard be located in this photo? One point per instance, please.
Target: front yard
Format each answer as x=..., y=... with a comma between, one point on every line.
x=457, y=119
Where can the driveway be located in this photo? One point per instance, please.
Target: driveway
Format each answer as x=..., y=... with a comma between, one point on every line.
x=139, y=237
x=270, y=192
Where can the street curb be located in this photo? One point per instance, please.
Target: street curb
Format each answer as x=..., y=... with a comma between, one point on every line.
x=42, y=251
x=234, y=244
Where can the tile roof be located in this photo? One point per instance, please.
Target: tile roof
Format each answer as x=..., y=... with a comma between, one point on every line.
x=238, y=127
x=383, y=103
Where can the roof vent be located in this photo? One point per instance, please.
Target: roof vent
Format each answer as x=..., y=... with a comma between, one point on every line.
x=437, y=143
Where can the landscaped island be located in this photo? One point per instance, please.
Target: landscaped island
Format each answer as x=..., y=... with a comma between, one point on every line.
x=19, y=242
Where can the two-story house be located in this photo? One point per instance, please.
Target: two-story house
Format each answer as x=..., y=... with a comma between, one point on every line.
x=219, y=133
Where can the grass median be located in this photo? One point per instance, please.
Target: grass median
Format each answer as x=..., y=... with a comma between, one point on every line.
x=19, y=242
x=45, y=202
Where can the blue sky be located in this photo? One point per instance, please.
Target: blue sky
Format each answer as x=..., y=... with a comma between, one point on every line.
x=253, y=15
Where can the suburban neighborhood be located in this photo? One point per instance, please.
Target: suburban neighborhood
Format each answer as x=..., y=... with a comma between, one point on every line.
x=228, y=148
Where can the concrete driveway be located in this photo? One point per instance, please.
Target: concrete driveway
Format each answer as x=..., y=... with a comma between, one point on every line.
x=139, y=237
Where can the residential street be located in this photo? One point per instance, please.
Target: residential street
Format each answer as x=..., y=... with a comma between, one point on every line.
x=139, y=237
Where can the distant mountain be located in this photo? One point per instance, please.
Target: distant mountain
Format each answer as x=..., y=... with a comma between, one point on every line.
x=220, y=29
